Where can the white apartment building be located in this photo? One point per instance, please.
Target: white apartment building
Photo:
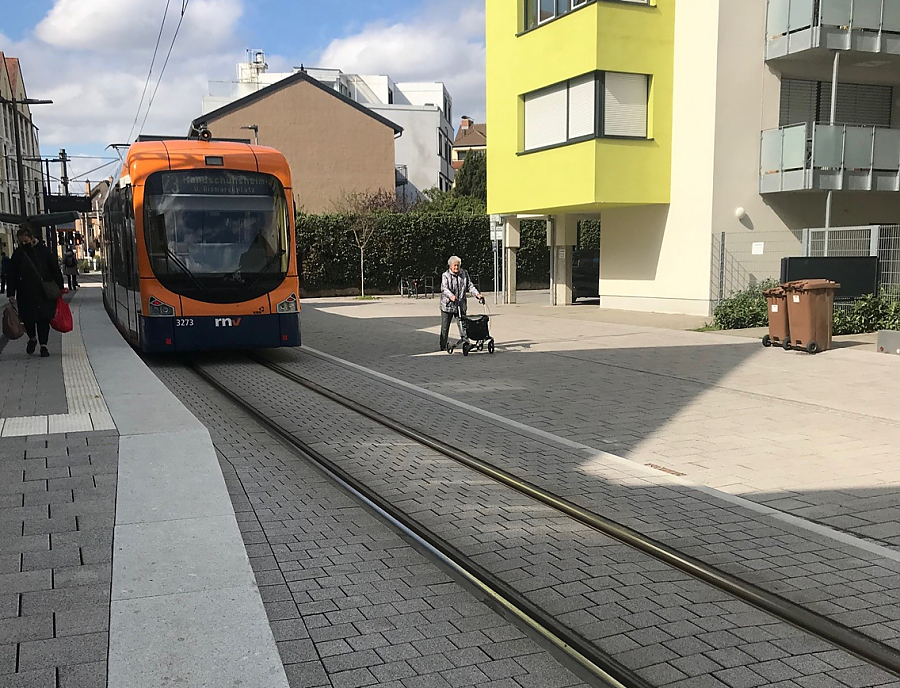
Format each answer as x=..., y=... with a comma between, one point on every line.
x=12, y=85
x=424, y=110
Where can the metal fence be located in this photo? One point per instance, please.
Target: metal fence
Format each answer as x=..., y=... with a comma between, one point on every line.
x=744, y=259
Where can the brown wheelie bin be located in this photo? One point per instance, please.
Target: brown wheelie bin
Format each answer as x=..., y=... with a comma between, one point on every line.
x=779, y=333
x=811, y=313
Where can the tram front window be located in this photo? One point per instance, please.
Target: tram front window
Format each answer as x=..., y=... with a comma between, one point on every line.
x=218, y=236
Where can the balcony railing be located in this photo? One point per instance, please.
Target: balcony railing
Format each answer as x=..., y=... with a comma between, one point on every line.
x=865, y=25
x=401, y=175
x=827, y=157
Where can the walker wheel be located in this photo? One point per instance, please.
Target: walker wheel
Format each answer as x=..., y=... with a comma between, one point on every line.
x=450, y=348
x=466, y=348
x=491, y=346
x=766, y=341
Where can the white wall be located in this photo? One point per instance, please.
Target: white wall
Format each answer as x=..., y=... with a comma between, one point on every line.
x=417, y=148
x=657, y=258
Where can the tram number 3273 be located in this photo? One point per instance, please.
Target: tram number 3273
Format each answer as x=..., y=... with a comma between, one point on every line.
x=184, y=322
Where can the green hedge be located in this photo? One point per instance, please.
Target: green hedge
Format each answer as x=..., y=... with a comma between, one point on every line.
x=409, y=244
x=747, y=308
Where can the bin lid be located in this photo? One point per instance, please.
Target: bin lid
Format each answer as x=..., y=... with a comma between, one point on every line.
x=774, y=291
x=811, y=285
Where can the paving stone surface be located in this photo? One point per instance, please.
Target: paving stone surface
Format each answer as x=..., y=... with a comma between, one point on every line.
x=851, y=586
x=57, y=506
x=812, y=436
x=350, y=602
x=33, y=385
x=654, y=620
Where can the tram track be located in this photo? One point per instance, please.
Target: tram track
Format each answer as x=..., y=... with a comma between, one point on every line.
x=839, y=635
x=601, y=666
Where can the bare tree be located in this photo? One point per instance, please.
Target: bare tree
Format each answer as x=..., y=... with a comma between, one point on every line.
x=365, y=207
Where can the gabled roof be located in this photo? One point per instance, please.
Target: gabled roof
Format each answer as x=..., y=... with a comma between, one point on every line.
x=475, y=135
x=14, y=71
x=287, y=83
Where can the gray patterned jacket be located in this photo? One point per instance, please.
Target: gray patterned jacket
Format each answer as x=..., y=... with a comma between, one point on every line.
x=459, y=285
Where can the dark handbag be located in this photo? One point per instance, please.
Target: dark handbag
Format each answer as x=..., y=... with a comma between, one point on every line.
x=51, y=288
x=12, y=325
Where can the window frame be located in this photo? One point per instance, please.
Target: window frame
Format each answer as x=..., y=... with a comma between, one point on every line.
x=599, y=111
x=572, y=6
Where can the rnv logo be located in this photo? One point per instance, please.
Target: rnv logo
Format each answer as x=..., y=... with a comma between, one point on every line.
x=228, y=322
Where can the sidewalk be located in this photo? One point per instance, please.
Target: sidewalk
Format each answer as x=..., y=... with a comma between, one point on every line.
x=121, y=562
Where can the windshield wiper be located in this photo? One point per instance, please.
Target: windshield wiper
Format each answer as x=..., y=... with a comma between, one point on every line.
x=185, y=269
x=265, y=267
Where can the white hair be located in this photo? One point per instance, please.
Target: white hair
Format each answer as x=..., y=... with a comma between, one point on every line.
x=454, y=259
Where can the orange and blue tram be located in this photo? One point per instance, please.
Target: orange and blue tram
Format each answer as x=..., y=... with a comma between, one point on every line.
x=199, y=247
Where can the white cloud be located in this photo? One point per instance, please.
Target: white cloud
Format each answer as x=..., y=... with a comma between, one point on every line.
x=103, y=26
x=91, y=58
x=435, y=45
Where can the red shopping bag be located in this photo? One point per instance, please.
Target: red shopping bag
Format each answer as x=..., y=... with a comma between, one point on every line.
x=62, y=321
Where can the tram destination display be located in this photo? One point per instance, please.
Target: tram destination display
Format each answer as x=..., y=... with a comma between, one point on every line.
x=216, y=183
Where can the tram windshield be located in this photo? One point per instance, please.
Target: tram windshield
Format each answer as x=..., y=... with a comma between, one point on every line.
x=217, y=235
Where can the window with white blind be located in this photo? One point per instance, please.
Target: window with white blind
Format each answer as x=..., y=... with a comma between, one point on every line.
x=590, y=106
x=583, y=107
x=546, y=117
x=625, y=105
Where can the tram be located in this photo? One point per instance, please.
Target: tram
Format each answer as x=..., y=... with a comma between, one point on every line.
x=200, y=248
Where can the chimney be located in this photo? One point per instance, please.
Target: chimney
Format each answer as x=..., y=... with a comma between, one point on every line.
x=465, y=123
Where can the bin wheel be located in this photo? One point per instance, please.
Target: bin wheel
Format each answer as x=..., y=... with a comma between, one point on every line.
x=491, y=346
x=466, y=348
x=812, y=348
x=767, y=341
x=786, y=345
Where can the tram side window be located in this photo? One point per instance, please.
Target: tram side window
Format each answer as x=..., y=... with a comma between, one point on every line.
x=128, y=239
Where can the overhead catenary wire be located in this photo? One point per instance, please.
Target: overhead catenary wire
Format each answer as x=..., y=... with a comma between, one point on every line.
x=100, y=167
x=184, y=6
x=150, y=71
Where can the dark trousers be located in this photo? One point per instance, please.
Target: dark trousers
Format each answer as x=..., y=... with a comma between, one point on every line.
x=73, y=282
x=446, y=319
x=43, y=331
x=2, y=283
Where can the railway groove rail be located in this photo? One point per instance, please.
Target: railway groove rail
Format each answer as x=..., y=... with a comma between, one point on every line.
x=633, y=610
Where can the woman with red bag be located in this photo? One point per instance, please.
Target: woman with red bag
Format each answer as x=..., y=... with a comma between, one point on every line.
x=35, y=283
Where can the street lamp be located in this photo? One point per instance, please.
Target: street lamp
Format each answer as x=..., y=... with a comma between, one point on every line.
x=23, y=209
x=255, y=129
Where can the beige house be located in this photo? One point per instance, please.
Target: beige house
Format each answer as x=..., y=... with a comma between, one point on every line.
x=12, y=85
x=334, y=145
x=469, y=137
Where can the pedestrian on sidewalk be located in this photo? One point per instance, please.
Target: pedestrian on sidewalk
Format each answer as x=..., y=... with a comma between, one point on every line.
x=455, y=287
x=32, y=272
x=4, y=270
x=70, y=269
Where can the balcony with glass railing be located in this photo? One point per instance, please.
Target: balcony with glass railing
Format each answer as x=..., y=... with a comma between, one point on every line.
x=829, y=157
x=794, y=26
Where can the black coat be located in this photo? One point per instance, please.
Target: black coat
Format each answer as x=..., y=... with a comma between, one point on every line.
x=25, y=283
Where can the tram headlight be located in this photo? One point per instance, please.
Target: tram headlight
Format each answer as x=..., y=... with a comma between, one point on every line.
x=159, y=309
x=289, y=305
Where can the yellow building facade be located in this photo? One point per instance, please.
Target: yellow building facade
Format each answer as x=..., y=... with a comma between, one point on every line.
x=692, y=130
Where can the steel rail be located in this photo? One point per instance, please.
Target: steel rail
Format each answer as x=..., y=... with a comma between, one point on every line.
x=872, y=651
x=501, y=596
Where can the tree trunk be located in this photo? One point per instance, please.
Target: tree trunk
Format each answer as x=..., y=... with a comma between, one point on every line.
x=362, y=274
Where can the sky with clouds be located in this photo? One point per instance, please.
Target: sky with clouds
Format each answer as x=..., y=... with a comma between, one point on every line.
x=92, y=57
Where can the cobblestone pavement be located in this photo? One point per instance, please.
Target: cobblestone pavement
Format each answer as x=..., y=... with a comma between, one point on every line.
x=57, y=507
x=812, y=436
x=853, y=587
x=350, y=603
x=668, y=627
